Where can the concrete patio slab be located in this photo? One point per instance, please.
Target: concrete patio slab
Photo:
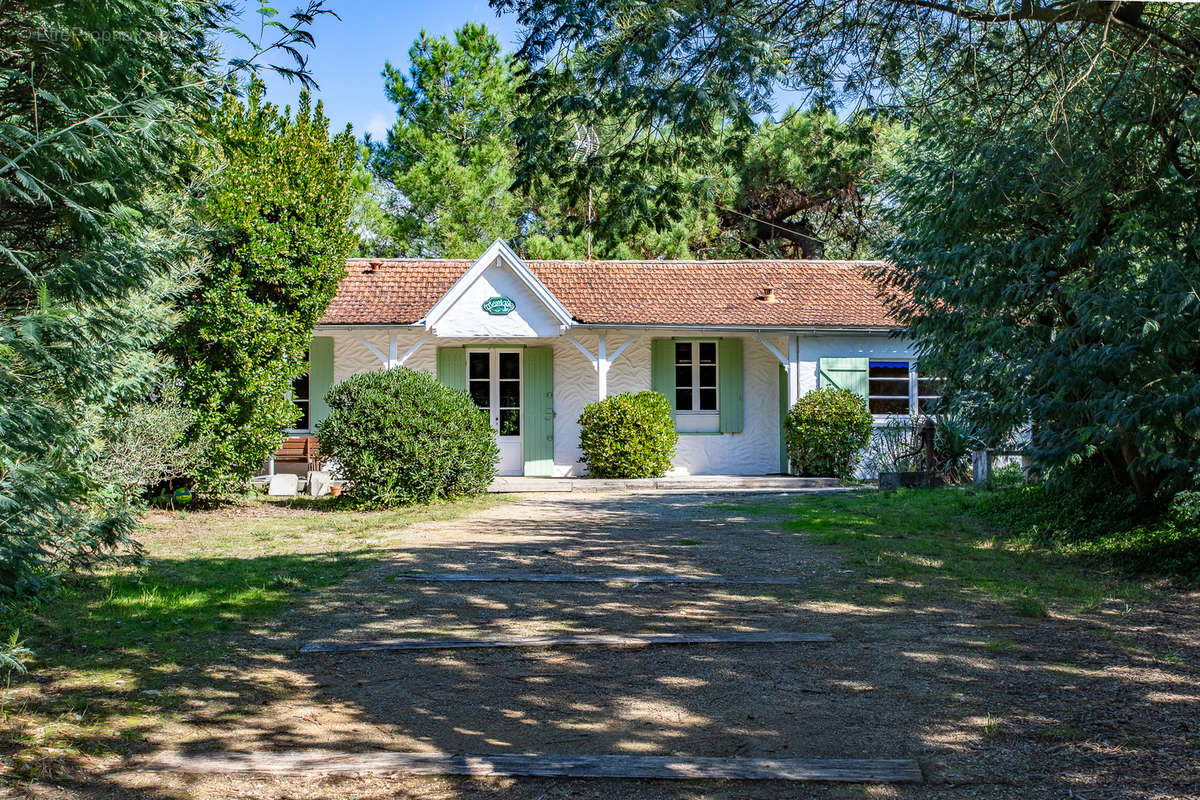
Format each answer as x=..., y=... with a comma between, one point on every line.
x=520, y=484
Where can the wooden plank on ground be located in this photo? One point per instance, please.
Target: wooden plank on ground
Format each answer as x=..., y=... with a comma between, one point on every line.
x=854, y=770
x=579, y=640
x=563, y=577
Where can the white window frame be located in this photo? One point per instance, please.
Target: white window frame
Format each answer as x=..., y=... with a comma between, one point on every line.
x=914, y=397
x=695, y=365
x=494, y=408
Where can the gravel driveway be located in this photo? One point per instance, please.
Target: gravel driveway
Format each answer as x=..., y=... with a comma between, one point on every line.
x=899, y=681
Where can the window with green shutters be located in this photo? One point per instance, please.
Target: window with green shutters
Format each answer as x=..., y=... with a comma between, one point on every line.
x=702, y=379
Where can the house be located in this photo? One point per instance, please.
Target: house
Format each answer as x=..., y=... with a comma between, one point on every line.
x=731, y=344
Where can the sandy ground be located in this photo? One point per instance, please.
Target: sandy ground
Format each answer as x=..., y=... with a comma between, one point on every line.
x=1103, y=704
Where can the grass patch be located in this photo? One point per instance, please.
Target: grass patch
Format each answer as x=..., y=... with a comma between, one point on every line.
x=122, y=650
x=923, y=545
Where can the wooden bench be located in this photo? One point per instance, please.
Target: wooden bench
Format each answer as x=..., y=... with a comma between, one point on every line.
x=298, y=450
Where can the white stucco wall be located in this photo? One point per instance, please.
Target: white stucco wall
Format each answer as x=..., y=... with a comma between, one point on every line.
x=754, y=451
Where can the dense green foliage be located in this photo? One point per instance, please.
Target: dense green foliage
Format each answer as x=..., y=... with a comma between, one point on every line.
x=100, y=118
x=1072, y=302
x=278, y=207
x=1103, y=521
x=145, y=444
x=1047, y=201
x=628, y=435
x=442, y=183
x=826, y=432
x=94, y=142
x=399, y=436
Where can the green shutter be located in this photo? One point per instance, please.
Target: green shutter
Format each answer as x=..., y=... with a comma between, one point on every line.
x=320, y=379
x=846, y=373
x=537, y=441
x=452, y=367
x=731, y=380
x=783, y=412
x=662, y=370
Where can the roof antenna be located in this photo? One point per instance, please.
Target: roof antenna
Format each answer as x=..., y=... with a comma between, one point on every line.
x=584, y=146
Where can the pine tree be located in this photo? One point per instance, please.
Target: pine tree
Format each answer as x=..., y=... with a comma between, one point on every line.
x=450, y=153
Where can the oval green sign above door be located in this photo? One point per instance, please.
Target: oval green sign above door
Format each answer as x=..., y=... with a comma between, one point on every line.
x=499, y=305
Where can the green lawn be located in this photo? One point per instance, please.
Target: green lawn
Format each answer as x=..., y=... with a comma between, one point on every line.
x=922, y=546
x=113, y=644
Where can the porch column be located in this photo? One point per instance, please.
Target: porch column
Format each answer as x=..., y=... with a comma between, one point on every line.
x=793, y=370
x=602, y=360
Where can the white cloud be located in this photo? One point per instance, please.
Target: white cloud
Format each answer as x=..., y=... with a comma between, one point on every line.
x=377, y=126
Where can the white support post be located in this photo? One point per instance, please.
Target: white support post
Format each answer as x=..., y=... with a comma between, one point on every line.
x=393, y=352
x=602, y=367
x=374, y=351
x=409, y=353
x=790, y=364
x=793, y=370
x=602, y=361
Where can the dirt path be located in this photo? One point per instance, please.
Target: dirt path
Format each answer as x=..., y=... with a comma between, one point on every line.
x=1056, y=711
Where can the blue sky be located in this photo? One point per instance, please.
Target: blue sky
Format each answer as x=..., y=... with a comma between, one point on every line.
x=350, y=53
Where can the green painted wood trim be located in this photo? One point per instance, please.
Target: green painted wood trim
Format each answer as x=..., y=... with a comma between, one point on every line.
x=452, y=367
x=662, y=370
x=537, y=440
x=783, y=412
x=845, y=373
x=730, y=385
x=320, y=379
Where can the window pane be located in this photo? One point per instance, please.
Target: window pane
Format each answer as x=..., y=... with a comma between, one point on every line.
x=889, y=388
x=708, y=399
x=708, y=375
x=480, y=365
x=510, y=422
x=929, y=387
x=683, y=399
x=683, y=376
x=300, y=387
x=708, y=352
x=481, y=393
x=302, y=423
x=683, y=352
x=889, y=406
x=510, y=365
x=510, y=394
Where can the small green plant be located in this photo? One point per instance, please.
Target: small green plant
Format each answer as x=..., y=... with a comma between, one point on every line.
x=400, y=437
x=13, y=654
x=628, y=436
x=1010, y=476
x=826, y=432
x=1027, y=605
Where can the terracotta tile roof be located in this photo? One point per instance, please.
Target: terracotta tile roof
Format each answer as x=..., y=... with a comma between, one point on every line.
x=808, y=293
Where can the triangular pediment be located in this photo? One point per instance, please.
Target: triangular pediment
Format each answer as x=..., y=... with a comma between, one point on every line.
x=498, y=296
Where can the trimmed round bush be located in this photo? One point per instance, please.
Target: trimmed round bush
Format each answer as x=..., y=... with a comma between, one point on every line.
x=826, y=433
x=628, y=435
x=399, y=437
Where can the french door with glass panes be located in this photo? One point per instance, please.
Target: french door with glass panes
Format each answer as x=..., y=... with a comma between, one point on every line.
x=494, y=381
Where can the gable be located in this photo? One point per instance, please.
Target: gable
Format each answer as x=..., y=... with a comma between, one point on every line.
x=466, y=315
